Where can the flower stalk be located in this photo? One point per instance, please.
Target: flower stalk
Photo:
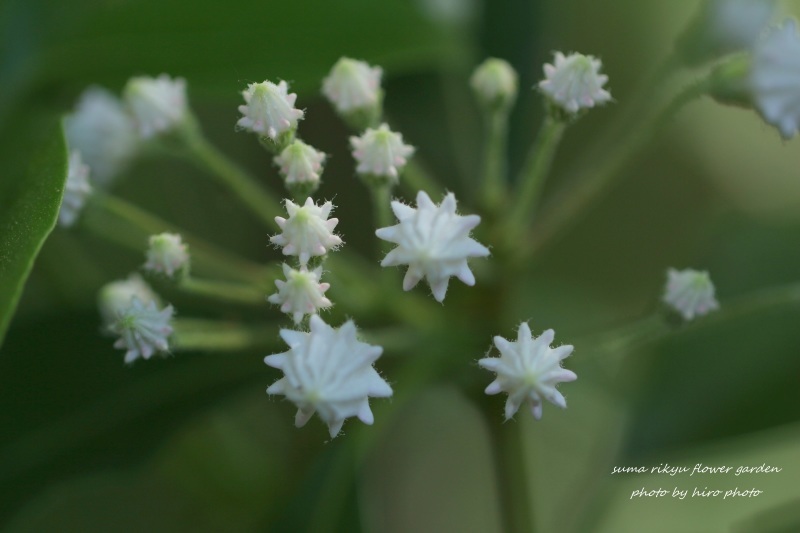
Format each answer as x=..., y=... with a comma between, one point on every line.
x=570, y=205
x=206, y=156
x=537, y=167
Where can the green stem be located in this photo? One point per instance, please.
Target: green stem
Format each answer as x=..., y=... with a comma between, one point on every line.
x=191, y=334
x=569, y=205
x=513, y=482
x=223, y=291
x=130, y=226
x=381, y=205
x=245, y=187
x=538, y=164
x=415, y=178
x=495, y=158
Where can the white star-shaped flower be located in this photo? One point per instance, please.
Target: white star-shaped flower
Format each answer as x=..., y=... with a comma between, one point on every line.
x=775, y=78
x=143, y=329
x=329, y=372
x=300, y=163
x=269, y=109
x=308, y=231
x=157, y=104
x=380, y=152
x=103, y=133
x=690, y=293
x=529, y=371
x=301, y=293
x=434, y=242
x=352, y=85
x=167, y=254
x=76, y=190
x=574, y=82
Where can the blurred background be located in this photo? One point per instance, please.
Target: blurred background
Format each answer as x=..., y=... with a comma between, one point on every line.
x=192, y=442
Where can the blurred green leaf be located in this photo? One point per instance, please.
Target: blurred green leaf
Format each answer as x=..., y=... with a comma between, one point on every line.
x=34, y=169
x=217, y=46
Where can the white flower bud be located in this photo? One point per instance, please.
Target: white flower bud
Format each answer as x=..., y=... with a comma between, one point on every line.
x=157, y=104
x=76, y=190
x=167, y=254
x=301, y=293
x=690, y=293
x=301, y=165
x=529, y=371
x=307, y=232
x=269, y=109
x=380, y=154
x=775, y=78
x=353, y=85
x=117, y=296
x=574, y=83
x=434, y=242
x=143, y=329
x=103, y=133
x=329, y=372
x=495, y=83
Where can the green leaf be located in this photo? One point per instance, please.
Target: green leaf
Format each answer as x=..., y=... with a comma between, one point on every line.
x=219, y=47
x=34, y=169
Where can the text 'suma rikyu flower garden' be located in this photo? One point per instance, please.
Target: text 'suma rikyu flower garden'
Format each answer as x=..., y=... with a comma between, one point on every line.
x=690, y=293
x=381, y=153
x=529, y=371
x=775, y=78
x=574, y=82
x=76, y=190
x=269, y=109
x=328, y=371
x=434, y=242
x=157, y=104
x=301, y=293
x=308, y=232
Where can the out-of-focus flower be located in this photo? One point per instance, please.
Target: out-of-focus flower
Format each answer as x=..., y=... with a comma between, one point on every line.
x=143, y=329
x=76, y=190
x=690, y=293
x=157, y=104
x=308, y=231
x=724, y=26
x=434, y=242
x=529, y=370
x=103, y=133
x=301, y=293
x=329, y=372
x=116, y=296
x=167, y=254
x=380, y=153
x=495, y=83
x=573, y=83
x=775, y=78
x=353, y=85
x=269, y=109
